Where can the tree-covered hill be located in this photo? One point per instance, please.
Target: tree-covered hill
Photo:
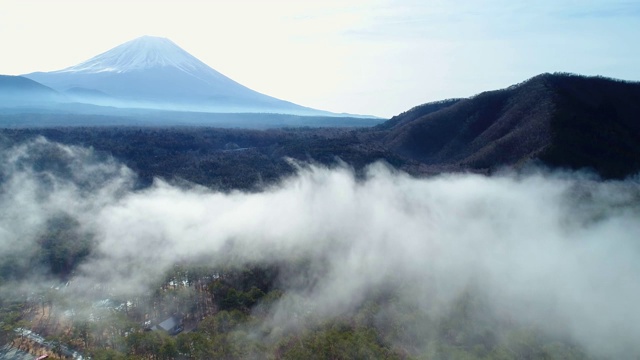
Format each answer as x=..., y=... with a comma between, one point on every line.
x=563, y=120
x=558, y=120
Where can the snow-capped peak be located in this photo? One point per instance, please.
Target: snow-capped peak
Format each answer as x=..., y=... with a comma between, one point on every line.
x=141, y=53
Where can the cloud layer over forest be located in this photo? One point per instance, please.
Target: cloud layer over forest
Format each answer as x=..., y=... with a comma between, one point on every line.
x=557, y=250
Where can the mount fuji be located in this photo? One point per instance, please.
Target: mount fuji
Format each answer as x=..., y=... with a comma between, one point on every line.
x=155, y=73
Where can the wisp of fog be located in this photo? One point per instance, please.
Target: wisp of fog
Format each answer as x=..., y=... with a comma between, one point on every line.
x=556, y=249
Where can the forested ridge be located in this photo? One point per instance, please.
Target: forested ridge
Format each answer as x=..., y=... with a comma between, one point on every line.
x=560, y=120
x=220, y=158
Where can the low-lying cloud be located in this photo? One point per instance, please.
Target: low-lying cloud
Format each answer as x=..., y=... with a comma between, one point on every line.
x=559, y=250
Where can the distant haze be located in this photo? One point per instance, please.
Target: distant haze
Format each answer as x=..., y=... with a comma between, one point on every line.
x=363, y=57
x=153, y=72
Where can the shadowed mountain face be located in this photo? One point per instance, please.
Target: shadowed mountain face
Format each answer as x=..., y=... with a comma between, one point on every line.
x=152, y=72
x=596, y=124
x=564, y=120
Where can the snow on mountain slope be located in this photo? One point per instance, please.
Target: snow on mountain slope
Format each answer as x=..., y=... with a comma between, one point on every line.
x=154, y=72
x=141, y=53
x=146, y=52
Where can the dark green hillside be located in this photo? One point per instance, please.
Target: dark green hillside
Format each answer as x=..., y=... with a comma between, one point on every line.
x=492, y=128
x=596, y=125
x=564, y=120
x=417, y=112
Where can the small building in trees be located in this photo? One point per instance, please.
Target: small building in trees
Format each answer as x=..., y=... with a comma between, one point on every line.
x=172, y=325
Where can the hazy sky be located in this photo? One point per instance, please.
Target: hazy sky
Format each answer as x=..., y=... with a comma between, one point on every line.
x=377, y=57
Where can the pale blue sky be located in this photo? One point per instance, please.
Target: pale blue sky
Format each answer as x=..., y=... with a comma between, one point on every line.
x=370, y=57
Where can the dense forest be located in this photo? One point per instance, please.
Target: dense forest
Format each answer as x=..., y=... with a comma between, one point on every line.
x=221, y=314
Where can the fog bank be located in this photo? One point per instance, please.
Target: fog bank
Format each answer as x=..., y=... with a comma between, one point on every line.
x=558, y=250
